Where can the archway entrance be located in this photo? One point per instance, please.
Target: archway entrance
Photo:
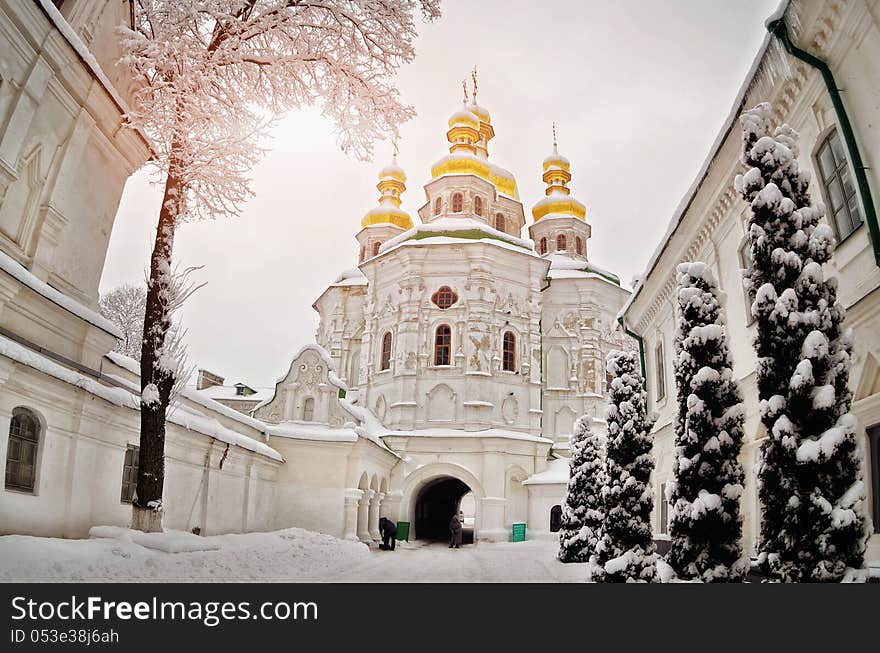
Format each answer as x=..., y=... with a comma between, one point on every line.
x=436, y=502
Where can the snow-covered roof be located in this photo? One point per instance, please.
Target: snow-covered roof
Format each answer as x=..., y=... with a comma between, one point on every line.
x=229, y=393
x=16, y=270
x=312, y=431
x=126, y=395
x=444, y=230
x=556, y=473
x=566, y=267
x=725, y=130
x=352, y=277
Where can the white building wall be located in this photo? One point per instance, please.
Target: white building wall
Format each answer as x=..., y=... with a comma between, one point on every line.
x=712, y=228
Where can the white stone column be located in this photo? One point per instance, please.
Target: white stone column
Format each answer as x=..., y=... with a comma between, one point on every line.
x=363, y=521
x=391, y=506
x=374, y=515
x=352, y=501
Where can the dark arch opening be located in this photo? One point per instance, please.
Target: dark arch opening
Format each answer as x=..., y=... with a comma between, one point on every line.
x=436, y=502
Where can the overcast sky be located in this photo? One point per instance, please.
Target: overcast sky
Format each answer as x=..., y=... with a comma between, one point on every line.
x=638, y=88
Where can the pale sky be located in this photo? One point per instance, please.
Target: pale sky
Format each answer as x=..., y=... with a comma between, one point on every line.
x=638, y=88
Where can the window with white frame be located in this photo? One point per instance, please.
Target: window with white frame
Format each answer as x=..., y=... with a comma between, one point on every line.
x=745, y=261
x=21, y=450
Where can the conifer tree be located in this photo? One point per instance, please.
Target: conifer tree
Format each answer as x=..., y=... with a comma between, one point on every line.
x=809, y=478
x=625, y=551
x=708, y=480
x=582, y=512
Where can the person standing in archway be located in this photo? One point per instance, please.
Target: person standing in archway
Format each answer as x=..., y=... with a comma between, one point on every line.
x=455, y=532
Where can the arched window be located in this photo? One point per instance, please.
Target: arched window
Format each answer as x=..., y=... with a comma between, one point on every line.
x=500, y=222
x=21, y=450
x=456, y=203
x=376, y=247
x=444, y=297
x=555, y=519
x=508, y=352
x=542, y=246
x=560, y=243
x=443, y=345
x=478, y=205
x=385, y=362
x=438, y=205
x=308, y=409
x=579, y=245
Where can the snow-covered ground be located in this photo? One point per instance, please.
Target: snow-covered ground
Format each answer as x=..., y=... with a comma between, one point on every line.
x=114, y=554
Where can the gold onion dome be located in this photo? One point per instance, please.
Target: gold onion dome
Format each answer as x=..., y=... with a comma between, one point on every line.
x=392, y=184
x=558, y=201
x=468, y=136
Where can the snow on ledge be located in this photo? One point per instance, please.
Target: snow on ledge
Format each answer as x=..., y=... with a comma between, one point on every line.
x=451, y=225
x=17, y=271
x=556, y=473
x=128, y=398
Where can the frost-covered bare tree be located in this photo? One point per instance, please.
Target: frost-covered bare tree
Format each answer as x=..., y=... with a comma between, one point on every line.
x=211, y=75
x=124, y=306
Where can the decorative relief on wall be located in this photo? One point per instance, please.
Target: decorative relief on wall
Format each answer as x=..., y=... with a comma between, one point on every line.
x=509, y=410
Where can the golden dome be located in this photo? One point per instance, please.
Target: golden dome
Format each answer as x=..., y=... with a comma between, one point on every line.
x=392, y=184
x=464, y=118
x=558, y=201
x=480, y=112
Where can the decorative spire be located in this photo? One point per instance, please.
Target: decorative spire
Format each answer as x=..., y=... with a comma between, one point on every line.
x=557, y=174
x=474, y=79
x=392, y=184
x=464, y=91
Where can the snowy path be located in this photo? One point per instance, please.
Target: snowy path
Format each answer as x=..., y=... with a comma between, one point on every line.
x=293, y=555
x=521, y=562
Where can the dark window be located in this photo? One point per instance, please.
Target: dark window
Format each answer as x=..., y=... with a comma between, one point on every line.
x=560, y=243
x=500, y=222
x=874, y=466
x=609, y=377
x=508, y=354
x=579, y=245
x=664, y=510
x=386, y=352
x=130, y=473
x=21, y=450
x=660, y=366
x=308, y=409
x=438, y=205
x=837, y=182
x=555, y=519
x=444, y=297
x=745, y=261
x=363, y=253
x=456, y=203
x=478, y=205
x=542, y=247
x=376, y=247
x=443, y=345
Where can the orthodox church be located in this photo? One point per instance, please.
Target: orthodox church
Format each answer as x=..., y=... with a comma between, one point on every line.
x=449, y=368
x=461, y=348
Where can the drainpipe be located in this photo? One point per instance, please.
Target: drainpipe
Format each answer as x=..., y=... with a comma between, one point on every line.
x=779, y=29
x=638, y=339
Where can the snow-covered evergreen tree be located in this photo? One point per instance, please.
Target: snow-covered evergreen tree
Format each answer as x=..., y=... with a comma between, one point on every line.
x=809, y=480
x=582, y=511
x=708, y=479
x=625, y=551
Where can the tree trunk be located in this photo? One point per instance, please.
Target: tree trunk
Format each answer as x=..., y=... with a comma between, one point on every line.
x=147, y=504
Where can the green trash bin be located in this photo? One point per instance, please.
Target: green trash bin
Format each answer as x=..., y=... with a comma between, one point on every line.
x=518, y=532
x=403, y=531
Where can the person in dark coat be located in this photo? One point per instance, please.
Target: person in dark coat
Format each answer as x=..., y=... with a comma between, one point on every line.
x=455, y=532
x=388, y=530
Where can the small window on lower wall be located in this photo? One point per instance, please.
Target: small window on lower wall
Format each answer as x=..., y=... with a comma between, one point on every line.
x=874, y=467
x=21, y=450
x=130, y=473
x=664, y=511
x=555, y=519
